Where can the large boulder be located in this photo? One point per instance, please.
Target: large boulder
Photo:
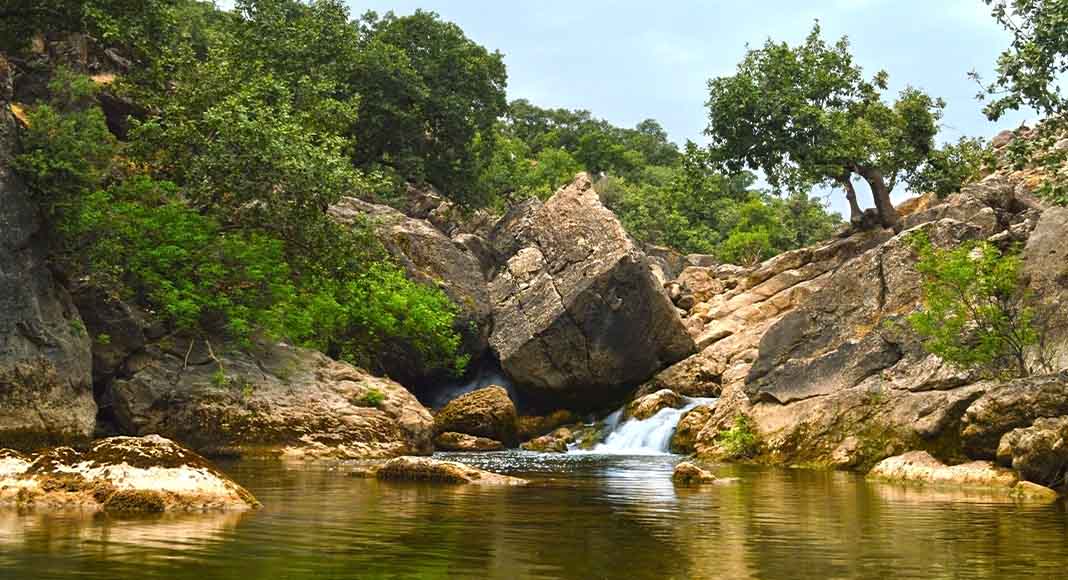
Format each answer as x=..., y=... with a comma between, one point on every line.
x=146, y=474
x=46, y=393
x=487, y=412
x=430, y=257
x=1039, y=452
x=267, y=399
x=578, y=314
x=1007, y=406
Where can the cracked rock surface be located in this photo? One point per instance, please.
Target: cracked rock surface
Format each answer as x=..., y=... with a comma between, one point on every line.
x=578, y=313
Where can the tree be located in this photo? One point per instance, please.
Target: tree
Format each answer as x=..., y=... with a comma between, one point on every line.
x=805, y=115
x=1028, y=71
x=428, y=96
x=977, y=311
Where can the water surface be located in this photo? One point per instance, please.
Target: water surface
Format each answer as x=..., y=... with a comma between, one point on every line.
x=585, y=516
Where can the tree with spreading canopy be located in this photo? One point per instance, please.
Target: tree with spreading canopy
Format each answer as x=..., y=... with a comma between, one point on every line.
x=807, y=116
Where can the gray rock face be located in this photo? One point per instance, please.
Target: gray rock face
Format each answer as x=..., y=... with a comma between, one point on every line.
x=1008, y=406
x=429, y=257
x=46, y=395
x=577, y=310
x=1038, y=452
x=274, y=399
x=1046, y=264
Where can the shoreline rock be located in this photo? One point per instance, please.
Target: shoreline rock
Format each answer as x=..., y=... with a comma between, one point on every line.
x=142, y=474
x=921, y=467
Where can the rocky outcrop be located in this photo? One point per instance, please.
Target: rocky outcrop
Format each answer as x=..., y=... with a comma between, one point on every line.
x=146, y=474
x=432, y=258
x=433, y=470
x=487, y=412
x=814, y=348
x=46, y=395
x=689, y=428
x=269, y=399
x=646, y=406
x=921, y=467
x=578, y=313
x=453, y=441
x=1039, y=452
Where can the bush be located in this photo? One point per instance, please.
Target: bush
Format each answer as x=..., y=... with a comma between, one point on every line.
x=741, y=440
x=976, y=309
x=373, y=398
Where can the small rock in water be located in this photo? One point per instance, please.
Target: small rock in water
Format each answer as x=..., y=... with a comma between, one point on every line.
x=1028, y=491
x=148, y=474
x=427, y=469
x=453, y=441
x=920, y=466
x=687, y=473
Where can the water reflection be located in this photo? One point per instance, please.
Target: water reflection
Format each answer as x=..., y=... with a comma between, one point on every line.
x=585, y=516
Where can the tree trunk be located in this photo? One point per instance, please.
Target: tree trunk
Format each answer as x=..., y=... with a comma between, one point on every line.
x=887, y=214
x=855, y=215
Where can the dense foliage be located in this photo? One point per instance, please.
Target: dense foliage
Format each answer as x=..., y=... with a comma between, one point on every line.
x=976, y=309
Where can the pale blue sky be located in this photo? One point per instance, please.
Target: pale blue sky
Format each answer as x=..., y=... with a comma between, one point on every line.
x=630, y=60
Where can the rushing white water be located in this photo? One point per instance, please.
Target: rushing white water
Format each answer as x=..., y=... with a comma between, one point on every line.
x=650, y=436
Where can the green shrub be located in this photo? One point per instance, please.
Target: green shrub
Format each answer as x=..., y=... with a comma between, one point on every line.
x=741, y=440
x=373, y=398
x=976, y=308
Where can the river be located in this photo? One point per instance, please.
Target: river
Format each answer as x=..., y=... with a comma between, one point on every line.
x=584, y=516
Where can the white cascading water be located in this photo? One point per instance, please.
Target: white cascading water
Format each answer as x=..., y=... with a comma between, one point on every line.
x=650, y=436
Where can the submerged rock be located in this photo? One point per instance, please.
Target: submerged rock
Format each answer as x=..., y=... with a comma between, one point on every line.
x=146, y=474
x=921, y=467
x=1029, y=491
x=578, y=314
x=651, y=404
x=435, y=470
x=46, y=393
x=687, y=473
x=271, y=399
x=487, y=412
x=452, y=441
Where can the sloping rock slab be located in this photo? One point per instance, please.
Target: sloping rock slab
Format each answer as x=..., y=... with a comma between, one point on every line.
x=271, y=399
x=437, y=471
x=577, y=311
x=147, y=474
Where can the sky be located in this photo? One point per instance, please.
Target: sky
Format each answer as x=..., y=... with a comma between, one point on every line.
x=626, y=61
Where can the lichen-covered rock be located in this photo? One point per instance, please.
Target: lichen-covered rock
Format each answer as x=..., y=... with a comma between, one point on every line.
x=487, y=412
x=146, y=474
x=689, y=428
x=1007, y=406
x=46, y=393
x=651, y=404
x=429, y=257
x=577, y=312
x=1039, y=452
x=437, y=471
x=269, y=399
x=921, y=467
x=453, y=441
x=531, y=426
x=555, y=442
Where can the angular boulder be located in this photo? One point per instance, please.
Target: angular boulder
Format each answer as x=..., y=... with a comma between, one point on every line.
x=269, y=399
x=453, y=441
x=146, y=474
x=578, y=314
x=487, y=412
x=428, y=256
x=434, y=470
x=1008, y=406
x=46, y=393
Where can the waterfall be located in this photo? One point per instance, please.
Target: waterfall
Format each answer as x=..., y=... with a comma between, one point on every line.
x=650, y=436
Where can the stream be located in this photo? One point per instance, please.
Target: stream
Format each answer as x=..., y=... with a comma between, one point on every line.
x=609, y=513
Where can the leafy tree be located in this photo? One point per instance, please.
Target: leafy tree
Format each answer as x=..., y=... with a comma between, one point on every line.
x=952, y=166
x=428, y=96
x=976, y=308
x=805, y=115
